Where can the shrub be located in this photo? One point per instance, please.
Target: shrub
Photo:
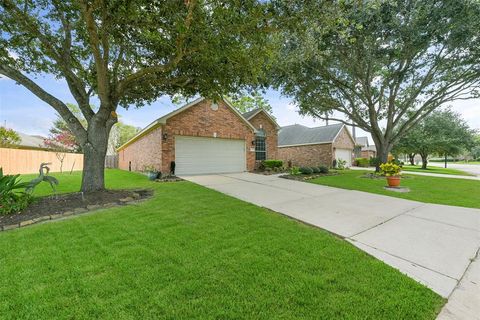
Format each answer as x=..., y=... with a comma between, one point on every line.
x=294, y=171
x=323, y=169
x=362, y=162
x=341, y=164
x=390, y=169
x=374, y=161
x=316, y=170
x=272, y=163
x=12, y=200
x=306, y=170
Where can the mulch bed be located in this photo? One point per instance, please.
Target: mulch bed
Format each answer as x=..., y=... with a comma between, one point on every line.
x=72, y=203
x=303, y=177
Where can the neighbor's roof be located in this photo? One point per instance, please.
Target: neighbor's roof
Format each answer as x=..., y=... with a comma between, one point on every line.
x=252, y=113
x=31, y=141
x=300, y=135
x=362, y=141
x=163, y=120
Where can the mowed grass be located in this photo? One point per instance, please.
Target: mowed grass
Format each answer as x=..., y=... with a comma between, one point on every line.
x=432, y=169
x=449, y=191
x=193, y=253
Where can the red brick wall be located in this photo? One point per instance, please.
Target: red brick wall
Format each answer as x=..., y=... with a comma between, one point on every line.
x=146, y=151
x=201, y=121
x=308, y=155
x=367, y=154
x=261, y=121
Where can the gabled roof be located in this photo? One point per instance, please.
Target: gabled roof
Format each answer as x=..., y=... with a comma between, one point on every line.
x=31, y=141
x=252, y=113
x=361, y=141
x=163, y=120
x=300, y=135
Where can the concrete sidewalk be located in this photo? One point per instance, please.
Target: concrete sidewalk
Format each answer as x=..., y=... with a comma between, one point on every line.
x=434, y=244
x=440, y=175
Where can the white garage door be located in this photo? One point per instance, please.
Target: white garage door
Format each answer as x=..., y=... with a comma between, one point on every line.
x=194, y=155
x=344, y=154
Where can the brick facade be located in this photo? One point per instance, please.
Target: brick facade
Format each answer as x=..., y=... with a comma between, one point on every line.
x=262, y=121
x=344, y=140
x=316, y=154
x=307, y=155
x=146, y=151
x=158, y=147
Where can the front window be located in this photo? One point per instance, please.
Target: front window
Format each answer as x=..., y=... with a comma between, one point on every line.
x=260, y=146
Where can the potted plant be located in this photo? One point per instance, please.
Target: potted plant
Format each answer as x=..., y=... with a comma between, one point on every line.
x=392, y=172
x=152, y=173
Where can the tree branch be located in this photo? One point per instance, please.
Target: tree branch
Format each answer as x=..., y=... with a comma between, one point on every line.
x=72, y=122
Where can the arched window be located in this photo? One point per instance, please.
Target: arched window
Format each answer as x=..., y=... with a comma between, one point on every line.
x=260, y=146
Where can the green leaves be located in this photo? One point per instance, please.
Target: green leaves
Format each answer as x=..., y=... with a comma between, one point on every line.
x=8, y=137
x=383, y=65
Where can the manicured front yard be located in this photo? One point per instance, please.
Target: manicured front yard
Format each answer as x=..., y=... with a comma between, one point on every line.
x=455, y=192
x=193, y=253
x=432, y=169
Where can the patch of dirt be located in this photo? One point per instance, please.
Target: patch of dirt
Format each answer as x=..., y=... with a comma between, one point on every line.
x=52, y=205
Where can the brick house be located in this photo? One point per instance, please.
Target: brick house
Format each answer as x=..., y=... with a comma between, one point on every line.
x=202, y=137
x=364, y=149
x=303, y=146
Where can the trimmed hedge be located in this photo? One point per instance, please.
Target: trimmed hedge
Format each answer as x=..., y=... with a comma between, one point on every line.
x=362, y=162
x=323, y=169
x=272, y=163
x=306, y=170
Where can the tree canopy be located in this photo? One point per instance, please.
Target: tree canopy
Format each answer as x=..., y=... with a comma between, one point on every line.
x=443, y=132
x=383, y=65
x=245, y=102
x=9, y=137
x=129, y=53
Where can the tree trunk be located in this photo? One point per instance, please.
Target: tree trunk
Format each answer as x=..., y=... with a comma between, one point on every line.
x=382, y=154
x=424, y=160
x=94, y=151
x=411, y=158
x=445, y=160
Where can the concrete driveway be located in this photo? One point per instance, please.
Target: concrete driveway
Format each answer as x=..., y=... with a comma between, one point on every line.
x=433, y=244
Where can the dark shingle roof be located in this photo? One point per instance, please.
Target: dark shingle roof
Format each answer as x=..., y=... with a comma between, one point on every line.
x=250, y=113
x=298, y=134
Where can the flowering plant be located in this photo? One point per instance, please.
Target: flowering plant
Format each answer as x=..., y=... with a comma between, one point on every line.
x=390, y=169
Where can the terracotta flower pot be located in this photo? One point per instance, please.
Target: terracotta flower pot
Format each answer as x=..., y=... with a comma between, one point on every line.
x=393, y=181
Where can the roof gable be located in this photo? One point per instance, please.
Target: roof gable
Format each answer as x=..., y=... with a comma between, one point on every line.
x=252, y=113
x=163, y=120
x=298, y=134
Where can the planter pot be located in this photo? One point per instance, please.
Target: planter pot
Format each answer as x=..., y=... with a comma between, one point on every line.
x=152, y=175
x=393, y=181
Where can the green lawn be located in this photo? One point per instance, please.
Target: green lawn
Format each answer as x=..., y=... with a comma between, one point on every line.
x=194, y=253
x=432, y=169
x=455, y=192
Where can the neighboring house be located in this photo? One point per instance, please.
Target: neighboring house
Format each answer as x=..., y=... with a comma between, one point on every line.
x=202, y=137
x=31, y=142
x=364, y=149
x=303, y=146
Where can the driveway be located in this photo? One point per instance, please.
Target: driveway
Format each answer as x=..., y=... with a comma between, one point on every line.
x=433, y=244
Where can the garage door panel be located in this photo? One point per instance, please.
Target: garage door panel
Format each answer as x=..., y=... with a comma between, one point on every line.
x=344, y=154
x=195, y=155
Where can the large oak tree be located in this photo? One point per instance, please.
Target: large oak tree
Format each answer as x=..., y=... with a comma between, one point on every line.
x=383, y=65
x=129, y=53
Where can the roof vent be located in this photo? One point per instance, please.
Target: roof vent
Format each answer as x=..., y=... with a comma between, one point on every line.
x=214, y=106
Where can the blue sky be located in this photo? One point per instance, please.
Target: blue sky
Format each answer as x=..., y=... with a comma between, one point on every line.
x=24, y=112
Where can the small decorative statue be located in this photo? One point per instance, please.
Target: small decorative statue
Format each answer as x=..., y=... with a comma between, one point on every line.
x=43, y=177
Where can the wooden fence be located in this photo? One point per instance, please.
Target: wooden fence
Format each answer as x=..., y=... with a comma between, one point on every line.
x=14, y=161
